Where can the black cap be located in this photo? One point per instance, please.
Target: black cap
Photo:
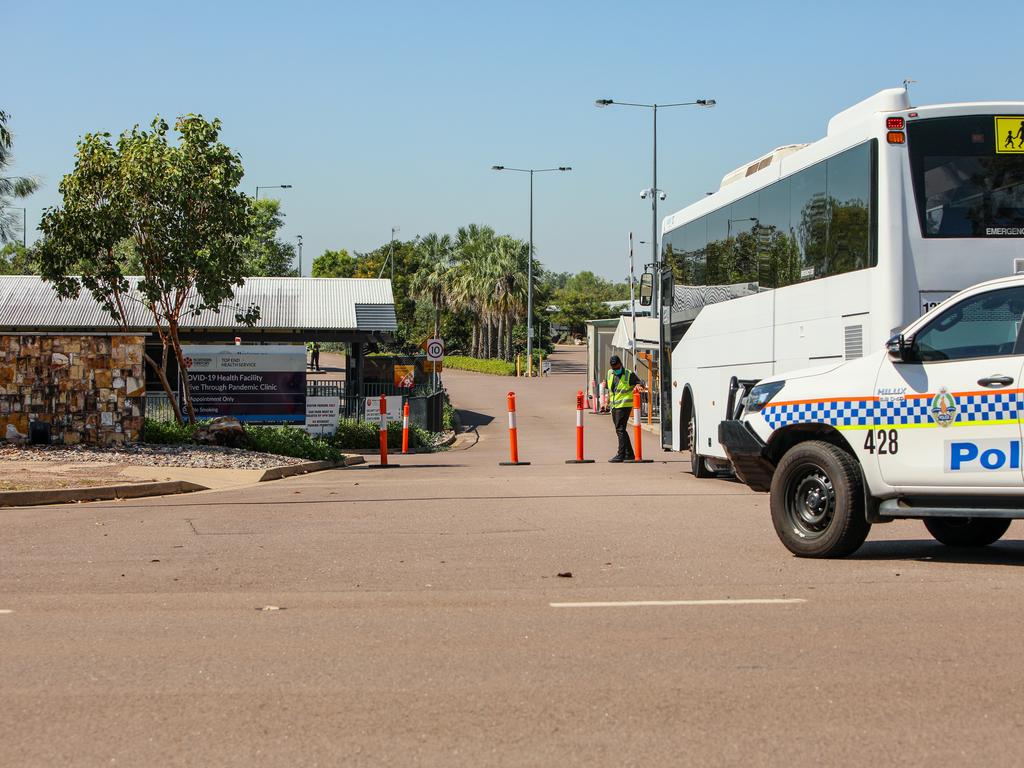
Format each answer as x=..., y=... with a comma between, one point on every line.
x=615, y=362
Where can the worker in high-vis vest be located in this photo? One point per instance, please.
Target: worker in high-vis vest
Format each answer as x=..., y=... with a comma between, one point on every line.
x=620, y=400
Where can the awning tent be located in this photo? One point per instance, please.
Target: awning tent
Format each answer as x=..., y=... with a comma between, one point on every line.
x=646, y=334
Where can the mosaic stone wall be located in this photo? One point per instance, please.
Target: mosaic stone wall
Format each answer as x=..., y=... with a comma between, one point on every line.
x=90, y=389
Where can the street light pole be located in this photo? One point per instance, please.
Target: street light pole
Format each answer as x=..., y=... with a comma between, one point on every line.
x=656, y=288
x=275, y=186
x=654, y=192
x=299, y=238
x=529, y=291
x=24, y=224
x=656, y=298
x=529, y=259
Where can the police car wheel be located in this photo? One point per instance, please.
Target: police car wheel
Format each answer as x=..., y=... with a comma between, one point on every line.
x=966, y=531
x=698, y=464
x=817, y=501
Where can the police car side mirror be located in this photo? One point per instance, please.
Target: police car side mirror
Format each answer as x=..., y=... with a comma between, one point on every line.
x=900, y=348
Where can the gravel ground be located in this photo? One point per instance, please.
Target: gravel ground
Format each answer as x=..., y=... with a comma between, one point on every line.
x=196, y=456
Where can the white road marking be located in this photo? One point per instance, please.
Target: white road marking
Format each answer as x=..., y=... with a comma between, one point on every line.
x=655, y=603
x=6, y=610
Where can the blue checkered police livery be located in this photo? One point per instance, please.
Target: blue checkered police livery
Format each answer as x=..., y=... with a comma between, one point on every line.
x=975, y=408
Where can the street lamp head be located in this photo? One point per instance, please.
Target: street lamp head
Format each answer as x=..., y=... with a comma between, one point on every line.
x=603, y=102
x=286, y=186
x=565, y=167
x=706, y=103
x=497, y=167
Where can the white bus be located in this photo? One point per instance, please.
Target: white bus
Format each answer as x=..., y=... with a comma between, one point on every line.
x=816, y=252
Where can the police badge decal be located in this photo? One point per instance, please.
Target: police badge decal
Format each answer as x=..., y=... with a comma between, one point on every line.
x=943, y=408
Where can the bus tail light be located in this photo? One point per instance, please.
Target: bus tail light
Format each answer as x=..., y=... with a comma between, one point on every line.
x=894, y=123
x=896, y=137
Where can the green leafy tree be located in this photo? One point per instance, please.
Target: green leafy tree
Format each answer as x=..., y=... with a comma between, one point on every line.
x=582, y=298
x=11, y=187
x=575, y=309
x=179, y=208
x=334, y=264
x=16, y=259
x=407, y=261
x=595, y=286
x=267, y=255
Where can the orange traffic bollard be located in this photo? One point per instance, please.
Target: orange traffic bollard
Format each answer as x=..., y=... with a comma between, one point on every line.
x=405, y=428
x=383, y=431
x=638, y=450
x=513, y=440
x=579, y=432
x=383, y=436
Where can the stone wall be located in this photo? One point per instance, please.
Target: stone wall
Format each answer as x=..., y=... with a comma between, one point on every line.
x=90, y=389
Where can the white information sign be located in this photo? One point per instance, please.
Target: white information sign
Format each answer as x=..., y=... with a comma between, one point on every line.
x=322, y=415
x=435, y=350
x=394, y=407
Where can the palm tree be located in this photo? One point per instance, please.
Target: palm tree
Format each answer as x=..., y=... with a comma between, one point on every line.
x=433, y=280
x=510, y=291
x=470, y=291
x=10, y=186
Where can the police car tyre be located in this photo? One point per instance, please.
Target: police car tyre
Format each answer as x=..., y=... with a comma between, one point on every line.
x=698, y=465
x=966, y=531
x=817, y=501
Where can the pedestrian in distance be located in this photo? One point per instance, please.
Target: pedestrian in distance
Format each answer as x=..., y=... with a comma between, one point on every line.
x=620, y=398
x=314, y=356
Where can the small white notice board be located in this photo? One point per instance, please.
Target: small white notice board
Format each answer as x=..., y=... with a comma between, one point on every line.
x=322, y=415
x=394, y=406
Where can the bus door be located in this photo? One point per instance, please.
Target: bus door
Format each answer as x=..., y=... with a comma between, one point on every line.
x=948, y=416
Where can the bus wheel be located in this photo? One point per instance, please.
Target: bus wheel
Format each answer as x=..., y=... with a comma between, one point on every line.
x=698, y=464
x=817, y=501
x=966, y=531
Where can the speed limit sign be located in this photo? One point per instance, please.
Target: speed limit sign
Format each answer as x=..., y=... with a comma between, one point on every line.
x=435, y=350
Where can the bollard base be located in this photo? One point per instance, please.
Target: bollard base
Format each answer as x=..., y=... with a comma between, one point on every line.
x=579, y=461
x=513, y=463
x=640, y=461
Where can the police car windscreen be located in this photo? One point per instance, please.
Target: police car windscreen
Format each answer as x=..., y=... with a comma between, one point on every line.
x=968, y=175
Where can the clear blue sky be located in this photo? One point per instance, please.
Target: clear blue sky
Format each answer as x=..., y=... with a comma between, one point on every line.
x=384, y=114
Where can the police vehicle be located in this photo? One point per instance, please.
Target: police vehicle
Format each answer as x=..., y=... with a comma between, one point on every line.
x=929, y=428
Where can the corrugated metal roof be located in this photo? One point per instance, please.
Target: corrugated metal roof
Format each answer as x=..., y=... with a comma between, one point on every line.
x=286, y=303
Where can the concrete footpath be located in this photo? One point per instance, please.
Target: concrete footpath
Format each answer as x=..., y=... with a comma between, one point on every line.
x=91, y=481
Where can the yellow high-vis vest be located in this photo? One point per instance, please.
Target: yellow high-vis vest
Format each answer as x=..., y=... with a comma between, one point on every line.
x=620, y=396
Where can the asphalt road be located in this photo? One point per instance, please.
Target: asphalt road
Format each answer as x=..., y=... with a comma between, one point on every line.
x=416, y=625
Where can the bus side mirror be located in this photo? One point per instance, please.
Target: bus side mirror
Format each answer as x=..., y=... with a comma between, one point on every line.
x=646, y=289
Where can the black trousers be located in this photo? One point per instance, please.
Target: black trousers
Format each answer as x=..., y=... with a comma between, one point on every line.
x=620, y=418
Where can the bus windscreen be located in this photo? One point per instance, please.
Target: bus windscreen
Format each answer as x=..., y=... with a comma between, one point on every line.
x=968, y=181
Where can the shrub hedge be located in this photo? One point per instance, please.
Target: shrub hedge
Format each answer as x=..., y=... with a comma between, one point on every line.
x=493, y=367
x=167, y=432
x=295, y=442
